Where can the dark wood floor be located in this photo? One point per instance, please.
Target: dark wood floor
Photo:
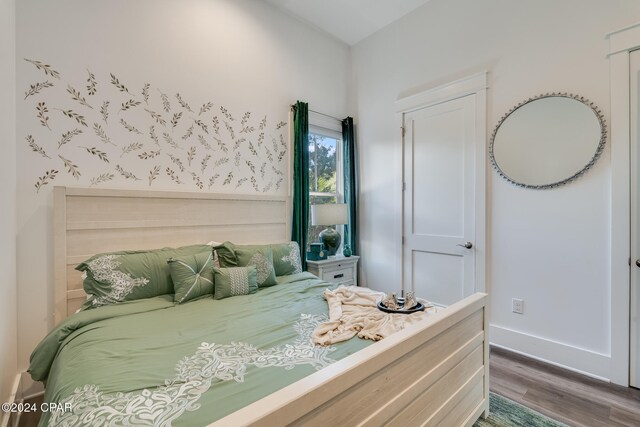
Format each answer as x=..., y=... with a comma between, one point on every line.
x=563, y=395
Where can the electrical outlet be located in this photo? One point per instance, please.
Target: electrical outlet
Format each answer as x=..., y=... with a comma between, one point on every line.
x=517, y=306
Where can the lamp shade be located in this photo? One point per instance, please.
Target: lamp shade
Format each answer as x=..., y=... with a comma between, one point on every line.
x=329, y=214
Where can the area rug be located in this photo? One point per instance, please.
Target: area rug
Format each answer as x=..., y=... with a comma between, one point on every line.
x=507, y=413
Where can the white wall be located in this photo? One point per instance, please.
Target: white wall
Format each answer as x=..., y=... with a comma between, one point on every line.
x=551, y=247
x=243, y=55
x=8, y=335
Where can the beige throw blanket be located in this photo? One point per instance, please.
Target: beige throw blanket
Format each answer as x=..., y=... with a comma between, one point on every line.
x=354, y=310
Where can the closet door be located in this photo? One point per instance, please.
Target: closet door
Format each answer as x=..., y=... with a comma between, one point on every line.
x=439, y=200
x=634, y=378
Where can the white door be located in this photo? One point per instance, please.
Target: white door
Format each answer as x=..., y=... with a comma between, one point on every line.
x=635, y=221
x=439, y=200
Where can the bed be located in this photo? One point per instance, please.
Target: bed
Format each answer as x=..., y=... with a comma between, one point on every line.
x=243, y=360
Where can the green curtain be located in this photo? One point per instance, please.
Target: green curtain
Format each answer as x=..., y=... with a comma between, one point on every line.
x=350, y=164
x=300, y=221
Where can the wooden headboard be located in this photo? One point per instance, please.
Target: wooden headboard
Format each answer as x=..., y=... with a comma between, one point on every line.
x=88, y=221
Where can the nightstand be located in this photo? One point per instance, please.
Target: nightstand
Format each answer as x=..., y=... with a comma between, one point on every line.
x=342, y=270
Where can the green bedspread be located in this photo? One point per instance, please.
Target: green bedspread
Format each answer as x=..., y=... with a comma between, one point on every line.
x=150, y=362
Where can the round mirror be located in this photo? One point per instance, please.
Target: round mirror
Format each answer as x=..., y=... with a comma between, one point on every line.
x=548, y=140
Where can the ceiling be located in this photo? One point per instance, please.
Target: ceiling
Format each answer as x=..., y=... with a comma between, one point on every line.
x=348, y=20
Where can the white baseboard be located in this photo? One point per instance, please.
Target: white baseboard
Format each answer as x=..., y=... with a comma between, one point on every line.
x=580, y=360
x=29, y=387
x=23, y=388
x=10, y=419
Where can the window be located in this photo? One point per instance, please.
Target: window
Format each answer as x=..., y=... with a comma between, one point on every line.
x=325, y=173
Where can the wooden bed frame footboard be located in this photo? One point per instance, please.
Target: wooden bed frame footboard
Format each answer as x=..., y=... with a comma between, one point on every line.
x=433, y=373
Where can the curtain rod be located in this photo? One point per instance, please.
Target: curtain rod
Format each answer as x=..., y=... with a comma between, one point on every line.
x=322, y=114
x=326, y=115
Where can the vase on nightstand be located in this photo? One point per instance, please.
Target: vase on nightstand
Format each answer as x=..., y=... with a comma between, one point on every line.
x=347, y=251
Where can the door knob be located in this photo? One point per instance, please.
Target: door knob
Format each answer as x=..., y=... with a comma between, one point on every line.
x=469, y=245
x=638, y=263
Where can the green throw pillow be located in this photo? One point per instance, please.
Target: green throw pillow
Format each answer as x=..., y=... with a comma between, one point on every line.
x=286, y=258
x=192, y=276
x=234, y=281
x=115, y=277
x=260, y=256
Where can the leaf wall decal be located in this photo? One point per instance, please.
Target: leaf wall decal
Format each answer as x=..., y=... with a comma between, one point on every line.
x=253, y=149
x=95, y=152
x=145, y=93
x=213, y=180
x=183, y=104
x=157, y=117
x=102, y=134
x=177, y=162
x=75, y=116
x=204, y=142
x=241, y=181
x=175, y=119
x=227, y=114
x=173, y=176
x=44, y=67
x=204, y=162
x=243, y=123
x=36, y=88
x=42, y=110
x=92, y=84
x=129, y=127
x=191, y=154
x=67, y=136
x=228, y=179
x=197, y=180
x=188, y=134
x=104, y=111
x=221, y=161
x=149, y=155
x=101, y=178
x=134, y=146
x=116, y=83
x=76, y=96
x=204, y=127
x=153, y=136
x=222, y=145
x=216, y=125
x=45, y=179
x=238, y=142
x=166, y=105
x=126, y=174
x=35, y=147
x=230, y=129
x=71, y=167
x=167, y=138
x=153, y=174
x=251, y=166
x=205, y=107
x=129, y=104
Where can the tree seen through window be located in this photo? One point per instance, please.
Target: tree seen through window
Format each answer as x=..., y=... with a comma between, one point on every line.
x=323, y=176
